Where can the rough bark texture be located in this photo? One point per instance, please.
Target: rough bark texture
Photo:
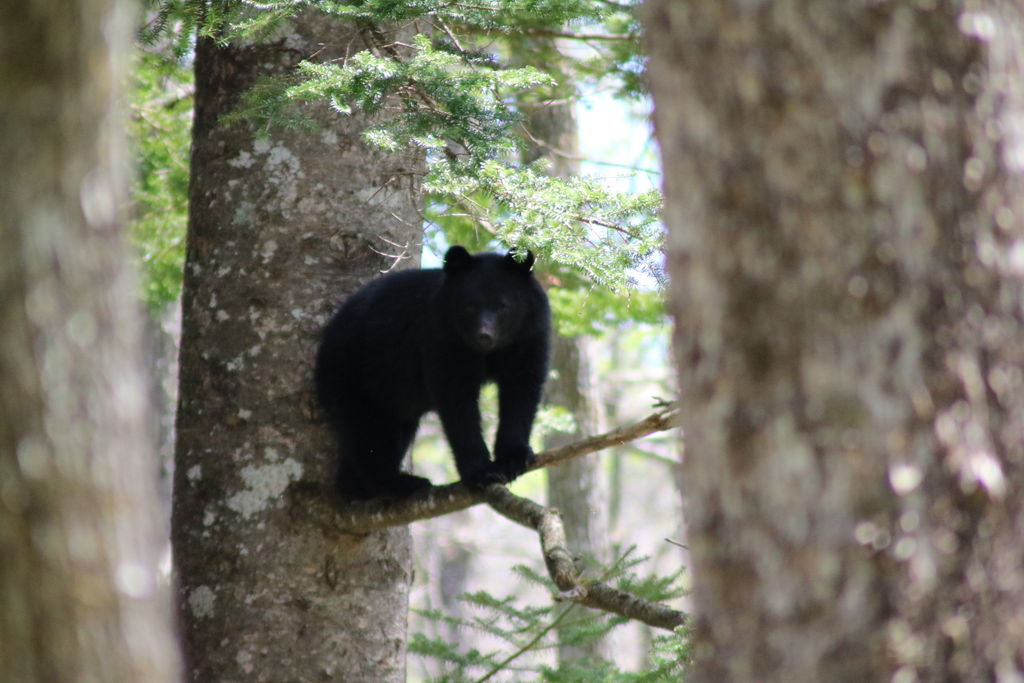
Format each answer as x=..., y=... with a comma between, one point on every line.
x=281, y=229
x=79, y=596
x=845, y=207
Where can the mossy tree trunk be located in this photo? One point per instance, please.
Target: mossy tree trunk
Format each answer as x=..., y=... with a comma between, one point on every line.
x=281, y=229
x=80, y=598
x=846, y=217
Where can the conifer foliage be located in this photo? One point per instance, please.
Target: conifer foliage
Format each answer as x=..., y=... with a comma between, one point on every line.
x=520, y=631
x=449, y=92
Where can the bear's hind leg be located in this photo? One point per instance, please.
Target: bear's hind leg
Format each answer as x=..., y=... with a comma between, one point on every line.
x=373, y=450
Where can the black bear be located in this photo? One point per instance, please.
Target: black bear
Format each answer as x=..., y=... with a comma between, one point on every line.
x=421, y=340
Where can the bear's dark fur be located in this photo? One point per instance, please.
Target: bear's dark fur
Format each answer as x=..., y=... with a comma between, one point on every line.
x=421, y=340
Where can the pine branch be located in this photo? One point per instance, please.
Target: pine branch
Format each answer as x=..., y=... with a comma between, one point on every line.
x=548, y=524
x=357, y=517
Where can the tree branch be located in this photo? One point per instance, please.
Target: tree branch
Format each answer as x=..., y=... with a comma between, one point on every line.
x=355, y=517
x=548, y=524
x=358, y=517
x=664, y=419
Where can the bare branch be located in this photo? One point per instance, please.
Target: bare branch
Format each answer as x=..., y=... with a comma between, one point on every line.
x=660, y=421
x=351, y=517
x=561, y=153
x=548, y=524
x=335, y=517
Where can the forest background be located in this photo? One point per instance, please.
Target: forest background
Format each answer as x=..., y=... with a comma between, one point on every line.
x=844, y=252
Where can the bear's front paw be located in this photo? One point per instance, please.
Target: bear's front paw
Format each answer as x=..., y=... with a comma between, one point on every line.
x=484, y=476
x=513, y=460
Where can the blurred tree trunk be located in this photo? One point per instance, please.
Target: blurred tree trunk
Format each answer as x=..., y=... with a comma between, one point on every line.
x=845, y=207
x=579, y=492
x=79, y=595
x=281, y=229
x=577, y=488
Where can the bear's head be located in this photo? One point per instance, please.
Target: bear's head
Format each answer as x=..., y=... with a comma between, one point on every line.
x=489, y=301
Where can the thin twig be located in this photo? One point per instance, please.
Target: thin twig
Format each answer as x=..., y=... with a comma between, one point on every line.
x=655, y=422
x=569, y=156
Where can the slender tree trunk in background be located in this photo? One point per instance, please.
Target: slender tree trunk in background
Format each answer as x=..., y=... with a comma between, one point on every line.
x=79, y=597
x=846, y=220
x=577, y=488
x=281, y=229
x=579, y=492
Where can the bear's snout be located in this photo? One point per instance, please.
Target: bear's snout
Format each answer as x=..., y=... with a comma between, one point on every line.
x=487, y=332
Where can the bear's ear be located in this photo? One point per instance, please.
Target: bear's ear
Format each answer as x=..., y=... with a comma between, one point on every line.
x=525, y=264
x=457, y=259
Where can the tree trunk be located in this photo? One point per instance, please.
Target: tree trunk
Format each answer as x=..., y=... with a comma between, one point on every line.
x=578, y=487
x=281, y=229
x=844, y=200
x=78, y=508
